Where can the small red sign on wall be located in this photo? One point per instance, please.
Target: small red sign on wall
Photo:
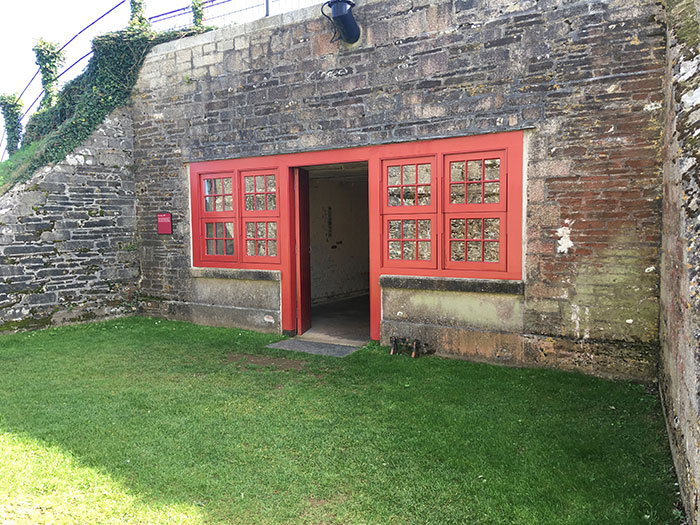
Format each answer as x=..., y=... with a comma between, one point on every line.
x=165, y=224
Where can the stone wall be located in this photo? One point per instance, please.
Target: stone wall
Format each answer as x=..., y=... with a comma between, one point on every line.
x=585, y=77
x=680, y=283
x=67, y=236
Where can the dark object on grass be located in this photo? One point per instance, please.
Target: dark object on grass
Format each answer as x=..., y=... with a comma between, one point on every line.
x=403, y=344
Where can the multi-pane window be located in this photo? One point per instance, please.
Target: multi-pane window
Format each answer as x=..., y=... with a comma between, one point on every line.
x=260, y=192
x=451, y=219
x=237, y=214
x=219, y=238
x=261, y=239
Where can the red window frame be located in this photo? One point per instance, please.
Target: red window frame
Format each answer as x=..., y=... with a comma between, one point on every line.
x=508, y=145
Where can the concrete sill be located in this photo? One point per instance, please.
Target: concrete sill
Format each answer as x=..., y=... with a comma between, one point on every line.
x=235, y=273
x=451, y=284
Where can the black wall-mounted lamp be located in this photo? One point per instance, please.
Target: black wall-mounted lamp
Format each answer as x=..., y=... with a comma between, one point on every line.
x=344, y=23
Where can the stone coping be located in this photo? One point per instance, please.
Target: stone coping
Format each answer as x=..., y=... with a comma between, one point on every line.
x=236, y=274
x=451, y=284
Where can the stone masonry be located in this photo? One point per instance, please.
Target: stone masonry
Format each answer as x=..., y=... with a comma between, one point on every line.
x=583, y=78
x=679, y=374
x=67, y=236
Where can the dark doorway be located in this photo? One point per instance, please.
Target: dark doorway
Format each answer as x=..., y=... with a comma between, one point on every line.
x=338, y=259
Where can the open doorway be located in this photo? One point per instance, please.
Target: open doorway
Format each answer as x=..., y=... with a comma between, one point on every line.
x=338, y=253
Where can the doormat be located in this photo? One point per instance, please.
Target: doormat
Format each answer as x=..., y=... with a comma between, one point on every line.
x=312, y=347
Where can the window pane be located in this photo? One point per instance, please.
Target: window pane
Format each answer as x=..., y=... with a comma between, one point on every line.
x=272, y=230
x=473, y=193
x=474, y=170
x=219, y=204
x=409, y=229
x=210, y=230
x=271, y=183
x=228, y=203
x=491, y=228
x=456, y=171
x=229, y=247
x=260, y=230
x=249, y=184
x=260, y=202
x=424, y=251
x=220, y=230
x=409, y=196
x=250, y=247
x=491, y=251
x=424, y=229
x=250, y=202
x=260, y=183
x=491, y=191
x=218, y=187
x=208, y=186
x=220, y=248
x=272, y=248
x=394, y=229
x=409, y=174
x=394, y=250
x=457, y=193
x=409, y=251
x=394, y=197
x=424, y=174
x=457, y=251
x=271, y=201
x=211, y=247
x=423, y=195
x=208, y=203
x=394, y=175
x=457, y=229
x=228, y=226
x=250, y=230
x=473, y=251
x=474, y=229
x=228, y=185
x=262, y=252
x=492, y=169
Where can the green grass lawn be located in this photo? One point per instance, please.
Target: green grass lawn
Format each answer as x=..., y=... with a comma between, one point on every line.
x=144, y=421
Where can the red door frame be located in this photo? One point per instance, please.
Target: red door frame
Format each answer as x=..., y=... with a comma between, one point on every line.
x=286, y=164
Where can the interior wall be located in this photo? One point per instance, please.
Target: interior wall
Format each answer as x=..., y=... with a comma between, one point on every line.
x=339, y=237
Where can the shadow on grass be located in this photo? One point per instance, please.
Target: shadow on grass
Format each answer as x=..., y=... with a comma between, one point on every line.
x=190, y=425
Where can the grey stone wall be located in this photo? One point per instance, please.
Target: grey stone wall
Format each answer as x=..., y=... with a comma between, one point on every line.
x=680, y=284
x=67, y=236
x=585, y=77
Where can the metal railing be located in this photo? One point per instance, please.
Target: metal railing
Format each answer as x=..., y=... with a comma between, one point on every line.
x=216, y=13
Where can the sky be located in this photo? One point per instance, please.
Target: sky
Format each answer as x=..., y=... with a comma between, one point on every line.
x=26, y=21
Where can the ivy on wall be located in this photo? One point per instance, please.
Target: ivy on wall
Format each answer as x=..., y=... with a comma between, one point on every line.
x=11, y=108
x=49, y=58
x=85, y=101
x=138, y=19
x=197, y=12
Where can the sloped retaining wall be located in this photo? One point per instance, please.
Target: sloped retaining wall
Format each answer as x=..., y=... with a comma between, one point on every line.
x=67, y=236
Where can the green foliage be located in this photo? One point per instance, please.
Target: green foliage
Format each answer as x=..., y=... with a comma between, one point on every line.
x=197, y=12
x=11, y=108
x=85, y=101
x=138, y=19
x=49, y=58
x=152, y=421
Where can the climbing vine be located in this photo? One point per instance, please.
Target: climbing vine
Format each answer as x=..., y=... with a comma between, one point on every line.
x=197, y=12
x=11, y=113
x=85, y=101
x=49, y=58
x=138, y=19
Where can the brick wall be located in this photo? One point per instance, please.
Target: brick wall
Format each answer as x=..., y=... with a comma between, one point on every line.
x=680, y=283
x=584, y=77
x=67, y=241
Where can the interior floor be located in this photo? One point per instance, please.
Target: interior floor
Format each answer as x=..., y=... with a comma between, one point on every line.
x=344, y=322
